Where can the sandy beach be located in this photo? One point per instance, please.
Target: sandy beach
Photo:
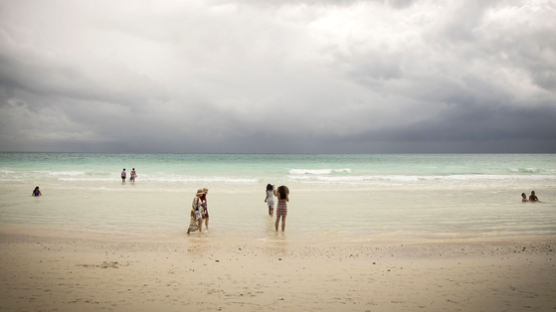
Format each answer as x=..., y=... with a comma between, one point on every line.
x=48, y=270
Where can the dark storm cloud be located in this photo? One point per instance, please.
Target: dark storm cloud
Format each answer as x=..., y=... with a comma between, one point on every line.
x=283, y=76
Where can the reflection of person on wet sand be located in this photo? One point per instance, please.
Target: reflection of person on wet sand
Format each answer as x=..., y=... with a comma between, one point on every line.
x=282, y=209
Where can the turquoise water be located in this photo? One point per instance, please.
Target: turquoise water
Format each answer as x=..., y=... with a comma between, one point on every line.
x=341, y=195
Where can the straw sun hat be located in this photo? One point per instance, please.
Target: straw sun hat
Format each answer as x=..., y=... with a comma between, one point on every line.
x=202, y=191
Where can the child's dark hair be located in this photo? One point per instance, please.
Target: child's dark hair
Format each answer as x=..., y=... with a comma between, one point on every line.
x=283, y=192
x=269, y=187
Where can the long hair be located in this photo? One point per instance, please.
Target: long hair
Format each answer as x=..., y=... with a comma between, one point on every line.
x=283, y=192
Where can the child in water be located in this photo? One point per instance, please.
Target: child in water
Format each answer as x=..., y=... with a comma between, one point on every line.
x=523, y=198
x=282, y=209
x=269, y=198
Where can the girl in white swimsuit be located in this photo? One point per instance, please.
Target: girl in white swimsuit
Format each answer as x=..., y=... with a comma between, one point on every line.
x=269, y=198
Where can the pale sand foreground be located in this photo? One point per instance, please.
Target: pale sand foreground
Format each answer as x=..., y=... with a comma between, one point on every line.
x=55, y=271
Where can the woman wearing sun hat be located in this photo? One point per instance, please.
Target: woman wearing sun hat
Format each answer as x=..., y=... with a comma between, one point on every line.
x=196, y=222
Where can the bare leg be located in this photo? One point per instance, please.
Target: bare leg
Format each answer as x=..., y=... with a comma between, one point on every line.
x=283, y=223
x=276, y=223
x=200, y=222
x=270, y=211
x=207, y=223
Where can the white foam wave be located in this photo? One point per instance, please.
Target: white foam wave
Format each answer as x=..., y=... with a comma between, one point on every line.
x=402, y=178
x=525, y=170
x=319, y=171
x=65, y=173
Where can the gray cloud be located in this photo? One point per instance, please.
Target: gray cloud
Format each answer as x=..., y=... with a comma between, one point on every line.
x=294, y=76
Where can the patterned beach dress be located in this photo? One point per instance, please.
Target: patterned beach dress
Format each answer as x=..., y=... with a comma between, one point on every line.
x=282, y=208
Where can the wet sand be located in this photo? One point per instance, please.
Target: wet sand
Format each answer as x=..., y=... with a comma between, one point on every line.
x=48, y=270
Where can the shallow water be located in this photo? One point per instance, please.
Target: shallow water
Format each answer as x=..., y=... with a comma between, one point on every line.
x=331, y=195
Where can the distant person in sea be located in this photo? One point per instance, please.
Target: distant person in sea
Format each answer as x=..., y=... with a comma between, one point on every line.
x=533, y=198
x=36, y=192
x=196, y=222
x=204, y=207
x=523, y=198
x=124, y=175
x=132, y=176
x=282, y=209
x=269, y=199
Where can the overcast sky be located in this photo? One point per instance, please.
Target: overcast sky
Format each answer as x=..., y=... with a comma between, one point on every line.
x=278, y=76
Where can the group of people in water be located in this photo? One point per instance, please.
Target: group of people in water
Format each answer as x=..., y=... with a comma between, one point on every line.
x=199, y=207
x=132, y=175
x=532, y=198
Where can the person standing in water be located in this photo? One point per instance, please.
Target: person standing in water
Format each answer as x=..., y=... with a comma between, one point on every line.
x=269, y=199
x=196, y=222
x=523, y=198
x=132, y=176
x=204, y=207
x=533, y=198
x=282, y=209
x=36, y=192
x=124, y=174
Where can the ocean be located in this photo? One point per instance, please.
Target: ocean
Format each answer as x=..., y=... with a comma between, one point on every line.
x=345, y=195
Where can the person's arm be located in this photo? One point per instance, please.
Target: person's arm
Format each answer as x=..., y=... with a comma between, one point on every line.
x=266, y=197
x=197, y=203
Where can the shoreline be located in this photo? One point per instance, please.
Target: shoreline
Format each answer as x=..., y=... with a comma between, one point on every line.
x=178, y=235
